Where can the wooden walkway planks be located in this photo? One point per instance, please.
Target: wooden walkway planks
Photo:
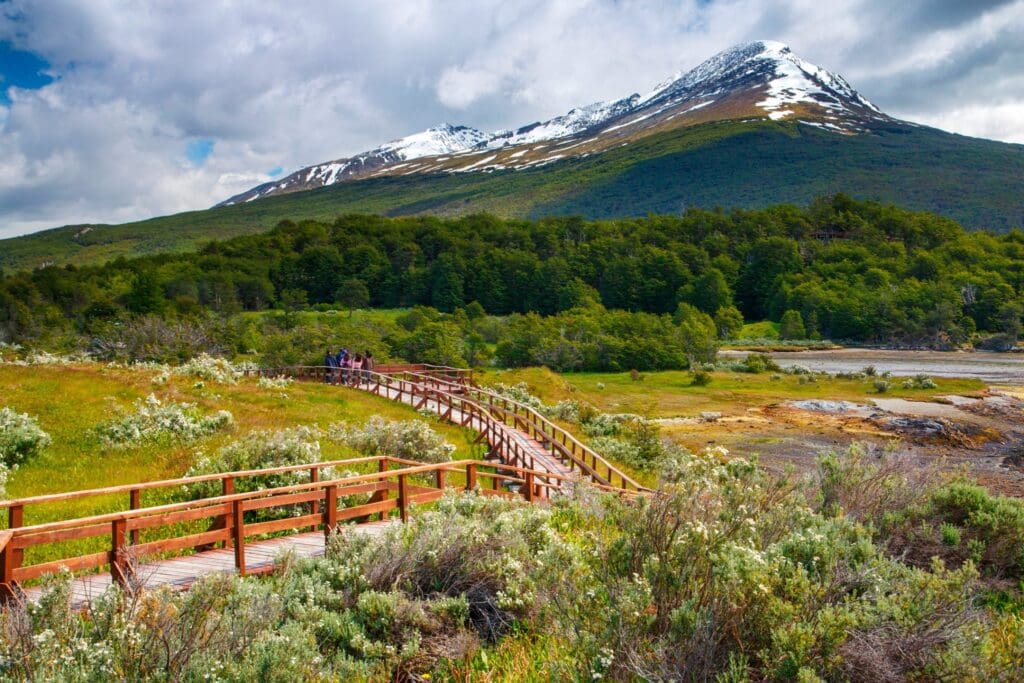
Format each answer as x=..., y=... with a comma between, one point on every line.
x=181, y=572
x=543, y=458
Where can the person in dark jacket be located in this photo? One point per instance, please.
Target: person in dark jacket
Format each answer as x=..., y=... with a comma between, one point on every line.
x=331, y=363
x=344, y=363
x=367, y=366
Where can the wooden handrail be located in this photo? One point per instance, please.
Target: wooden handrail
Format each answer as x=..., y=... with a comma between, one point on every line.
x=414, y=389
x=195, y=479
x=346, y=482
x=564, y=450
x=229, y=507
x=541, y=420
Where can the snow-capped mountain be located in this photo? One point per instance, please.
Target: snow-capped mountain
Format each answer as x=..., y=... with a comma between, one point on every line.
x=763, y=79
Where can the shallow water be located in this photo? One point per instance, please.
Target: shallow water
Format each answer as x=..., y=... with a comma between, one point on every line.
x=991, y=368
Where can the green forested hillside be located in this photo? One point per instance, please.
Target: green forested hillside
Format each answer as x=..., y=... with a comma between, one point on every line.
x=737, y=164
x=839, y=269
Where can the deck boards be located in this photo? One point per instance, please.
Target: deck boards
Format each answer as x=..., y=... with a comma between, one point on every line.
x=181, y=572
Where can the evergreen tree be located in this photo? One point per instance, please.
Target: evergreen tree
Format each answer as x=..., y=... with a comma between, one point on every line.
x=792, y=326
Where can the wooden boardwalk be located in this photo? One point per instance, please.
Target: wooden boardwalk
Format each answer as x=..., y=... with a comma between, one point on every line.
x=528, y=457
x=179, y=573
x=532, y=449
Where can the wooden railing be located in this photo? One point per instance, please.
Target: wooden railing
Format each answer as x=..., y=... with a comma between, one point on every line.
x=224, y=514
x=557, y=440
x=452, y=389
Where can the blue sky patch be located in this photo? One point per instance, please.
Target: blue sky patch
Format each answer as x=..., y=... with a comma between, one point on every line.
x=197, y=151
x=276, y=171
x=21, y=69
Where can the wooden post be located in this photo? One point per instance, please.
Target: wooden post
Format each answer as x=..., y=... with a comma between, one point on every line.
x=403, y=498
x=7, y=566
x=227, y=487
x=118, y=552
x=238, y=534
x=13, y=557
x=134, y=503
x=380, y=496
x=470, y=477
x=331, y=511
x=314, y=506
x=439, y=479
x=528, y=487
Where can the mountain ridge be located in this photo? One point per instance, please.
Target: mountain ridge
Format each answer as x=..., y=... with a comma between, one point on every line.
x=791, y=87
x=728, y=152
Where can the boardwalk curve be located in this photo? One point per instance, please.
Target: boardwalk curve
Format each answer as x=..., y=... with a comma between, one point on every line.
x=176, y=544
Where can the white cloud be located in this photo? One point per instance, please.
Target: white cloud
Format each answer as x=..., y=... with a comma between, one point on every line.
x=298, y=83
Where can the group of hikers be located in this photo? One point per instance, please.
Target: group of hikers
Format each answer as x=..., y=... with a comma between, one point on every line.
x=344, y=368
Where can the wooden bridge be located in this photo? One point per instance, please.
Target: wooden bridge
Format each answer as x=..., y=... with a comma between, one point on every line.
x=238, y=529
x=516, y=433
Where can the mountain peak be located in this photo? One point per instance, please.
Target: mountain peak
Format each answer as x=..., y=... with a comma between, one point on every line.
x=759, y=79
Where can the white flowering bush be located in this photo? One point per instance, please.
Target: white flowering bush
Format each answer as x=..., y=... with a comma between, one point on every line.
x=9, y=352
x=20, y=437
x=607, y=424
x=43, y=358
x=519, y=393
x=407, y=439
x=152, y=420
x=279, y=382
x=262, y=450
x=212, y=368
x=5, y=475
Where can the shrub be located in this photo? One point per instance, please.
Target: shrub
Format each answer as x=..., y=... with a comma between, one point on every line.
x=923, y=382
x=153, y=420
x=206, y=367
x=279, y=382
x=261, y=450
x=20, y=437
x=882, y=385
x=406, y=439
x=606, y=424
x=990, y=529
x=700, y=378
x=572, y=410
x=520, y=393
x=759, y=362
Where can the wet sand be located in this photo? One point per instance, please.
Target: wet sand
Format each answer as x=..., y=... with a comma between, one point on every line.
x=989, y=367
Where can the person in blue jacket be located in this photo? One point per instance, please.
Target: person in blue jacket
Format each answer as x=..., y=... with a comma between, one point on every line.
x=331, y=363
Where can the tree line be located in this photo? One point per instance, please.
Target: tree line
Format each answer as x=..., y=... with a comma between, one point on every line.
x=838, y=268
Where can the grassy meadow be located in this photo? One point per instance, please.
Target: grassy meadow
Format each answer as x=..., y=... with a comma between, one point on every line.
x=673, y=393
x=71, y=401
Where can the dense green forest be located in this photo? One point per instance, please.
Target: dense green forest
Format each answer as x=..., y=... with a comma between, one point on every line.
x=748, y=164
x=838, y=268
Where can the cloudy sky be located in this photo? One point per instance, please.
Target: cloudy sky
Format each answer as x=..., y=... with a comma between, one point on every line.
x=114, y=111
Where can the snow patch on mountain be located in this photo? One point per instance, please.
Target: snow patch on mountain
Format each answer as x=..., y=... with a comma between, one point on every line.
x=763, y=74
x=444, y=139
